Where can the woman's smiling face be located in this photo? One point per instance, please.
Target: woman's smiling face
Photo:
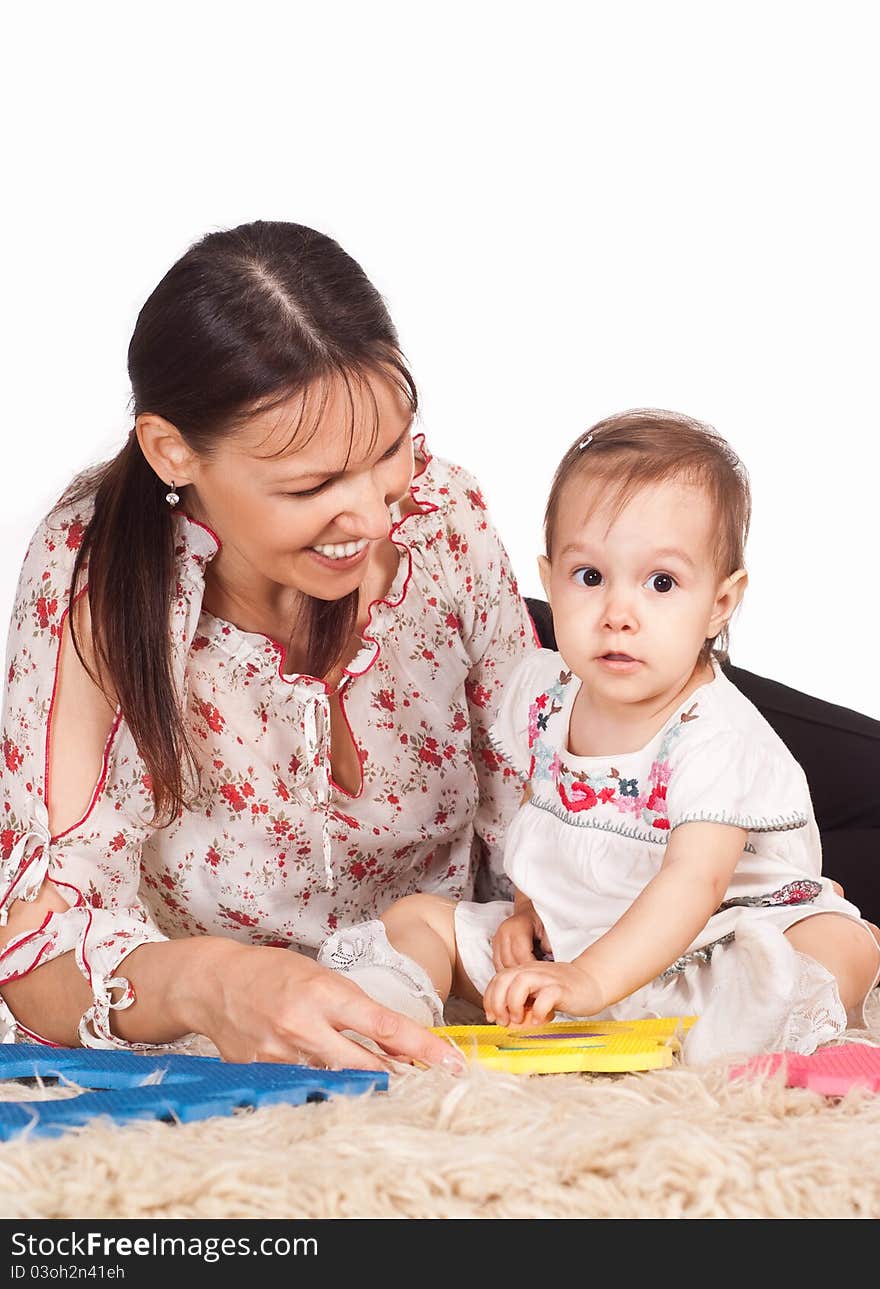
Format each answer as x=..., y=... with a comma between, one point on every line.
x=299, y=496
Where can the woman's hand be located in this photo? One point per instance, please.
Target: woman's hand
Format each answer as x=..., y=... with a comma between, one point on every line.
x=264, y=1004
x=514, y=942
x=531, y=995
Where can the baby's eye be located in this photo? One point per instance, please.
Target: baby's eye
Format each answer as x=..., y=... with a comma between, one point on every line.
x=588, y=576
x=661, y=582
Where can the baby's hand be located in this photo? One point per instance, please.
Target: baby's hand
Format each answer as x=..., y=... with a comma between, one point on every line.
x=530, y=995
x=514, y=942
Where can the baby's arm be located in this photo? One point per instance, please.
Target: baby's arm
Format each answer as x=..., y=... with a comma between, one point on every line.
x=656, y=929
x=514, y=942
x=515, y=938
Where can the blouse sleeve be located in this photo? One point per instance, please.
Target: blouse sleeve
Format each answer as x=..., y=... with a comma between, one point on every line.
x=97, y=875
x=497, y=633
x=731, y=778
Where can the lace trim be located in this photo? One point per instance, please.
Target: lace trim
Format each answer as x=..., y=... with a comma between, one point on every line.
x=775, y=823
x=660, y=839
x=497, y=745
x=702, y=956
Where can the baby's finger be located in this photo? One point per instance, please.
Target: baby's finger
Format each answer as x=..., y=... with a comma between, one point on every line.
x=519, y=994
x=500, y=951
x=517, y=950
x=544, y=1004
x=494, y=1004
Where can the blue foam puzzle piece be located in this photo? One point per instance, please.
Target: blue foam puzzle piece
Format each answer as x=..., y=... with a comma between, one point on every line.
x=191, y=1087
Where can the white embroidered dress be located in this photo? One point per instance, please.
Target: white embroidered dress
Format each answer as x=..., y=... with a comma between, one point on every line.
x=273, y=851
x=594, y=834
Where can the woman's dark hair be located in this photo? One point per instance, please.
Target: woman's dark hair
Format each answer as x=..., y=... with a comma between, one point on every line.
x=246, y=318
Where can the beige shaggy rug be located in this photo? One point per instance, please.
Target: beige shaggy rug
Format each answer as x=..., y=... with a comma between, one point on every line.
x=669, y=1144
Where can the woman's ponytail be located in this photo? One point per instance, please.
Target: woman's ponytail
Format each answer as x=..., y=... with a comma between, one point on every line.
x=127, y=561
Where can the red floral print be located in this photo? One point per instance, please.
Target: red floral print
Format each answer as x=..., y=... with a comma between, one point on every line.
x=247, y=856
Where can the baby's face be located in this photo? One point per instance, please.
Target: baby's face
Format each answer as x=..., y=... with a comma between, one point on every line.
x=634, y=596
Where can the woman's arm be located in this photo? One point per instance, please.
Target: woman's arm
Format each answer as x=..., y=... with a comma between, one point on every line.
x=656, y=929
x=254, y=1003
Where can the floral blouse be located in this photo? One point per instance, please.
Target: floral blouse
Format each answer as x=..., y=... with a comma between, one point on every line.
x=272, y=850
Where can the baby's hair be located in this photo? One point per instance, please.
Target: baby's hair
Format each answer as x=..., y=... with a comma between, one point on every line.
x=644, y=446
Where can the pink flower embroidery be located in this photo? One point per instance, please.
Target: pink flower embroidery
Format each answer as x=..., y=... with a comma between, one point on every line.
x=583, y=797
x=660, y=772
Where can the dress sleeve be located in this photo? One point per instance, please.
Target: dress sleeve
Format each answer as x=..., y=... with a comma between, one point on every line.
x=511, y=731
x=497, y=633
x=731, y=778
x=94, y=868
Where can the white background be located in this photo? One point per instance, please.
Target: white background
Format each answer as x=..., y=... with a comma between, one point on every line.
x=570, y=209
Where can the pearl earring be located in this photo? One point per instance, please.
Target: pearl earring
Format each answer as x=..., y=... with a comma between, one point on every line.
x=172, y=497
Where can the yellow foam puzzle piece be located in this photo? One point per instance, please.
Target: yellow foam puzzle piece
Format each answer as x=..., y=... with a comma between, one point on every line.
x=562, y=1047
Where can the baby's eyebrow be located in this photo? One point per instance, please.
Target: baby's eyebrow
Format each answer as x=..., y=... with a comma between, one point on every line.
x=674, y=553
x=669, y=553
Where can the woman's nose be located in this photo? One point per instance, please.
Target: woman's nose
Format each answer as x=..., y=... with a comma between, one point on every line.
x=367, y=514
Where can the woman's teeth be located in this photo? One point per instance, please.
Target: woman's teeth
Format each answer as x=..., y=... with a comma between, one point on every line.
x=342, y=550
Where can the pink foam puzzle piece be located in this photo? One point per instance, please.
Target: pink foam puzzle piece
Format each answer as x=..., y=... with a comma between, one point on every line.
x=831, y=1072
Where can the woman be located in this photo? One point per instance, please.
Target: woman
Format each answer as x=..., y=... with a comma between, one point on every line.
x=251, y=668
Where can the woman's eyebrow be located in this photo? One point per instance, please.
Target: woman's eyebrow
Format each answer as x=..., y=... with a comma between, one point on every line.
x=336, y=474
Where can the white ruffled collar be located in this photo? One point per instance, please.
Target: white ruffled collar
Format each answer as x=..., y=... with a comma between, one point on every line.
x=197, y=545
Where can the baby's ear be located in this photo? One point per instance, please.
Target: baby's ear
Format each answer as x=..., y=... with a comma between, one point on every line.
x=544, y=574
x=730, y=593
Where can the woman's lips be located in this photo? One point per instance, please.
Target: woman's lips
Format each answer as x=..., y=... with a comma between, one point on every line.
x=340, y=565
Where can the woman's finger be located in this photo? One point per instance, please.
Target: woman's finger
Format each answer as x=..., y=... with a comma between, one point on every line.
x=401, y=1038
x=342, y=1050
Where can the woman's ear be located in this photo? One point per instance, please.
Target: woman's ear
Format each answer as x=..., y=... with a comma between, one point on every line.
x=727, y=600
x=544, y=574
x=165, y=449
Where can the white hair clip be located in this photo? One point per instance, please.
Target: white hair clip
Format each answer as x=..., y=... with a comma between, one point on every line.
x=585, y=443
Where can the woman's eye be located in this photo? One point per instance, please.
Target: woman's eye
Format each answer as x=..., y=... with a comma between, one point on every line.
x=313, y=492
x=661, y=582
x=394, y=450
x=589, y=577
x=309, y=492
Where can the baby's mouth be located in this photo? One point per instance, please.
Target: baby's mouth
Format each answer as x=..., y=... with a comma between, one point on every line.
x=624, y=663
